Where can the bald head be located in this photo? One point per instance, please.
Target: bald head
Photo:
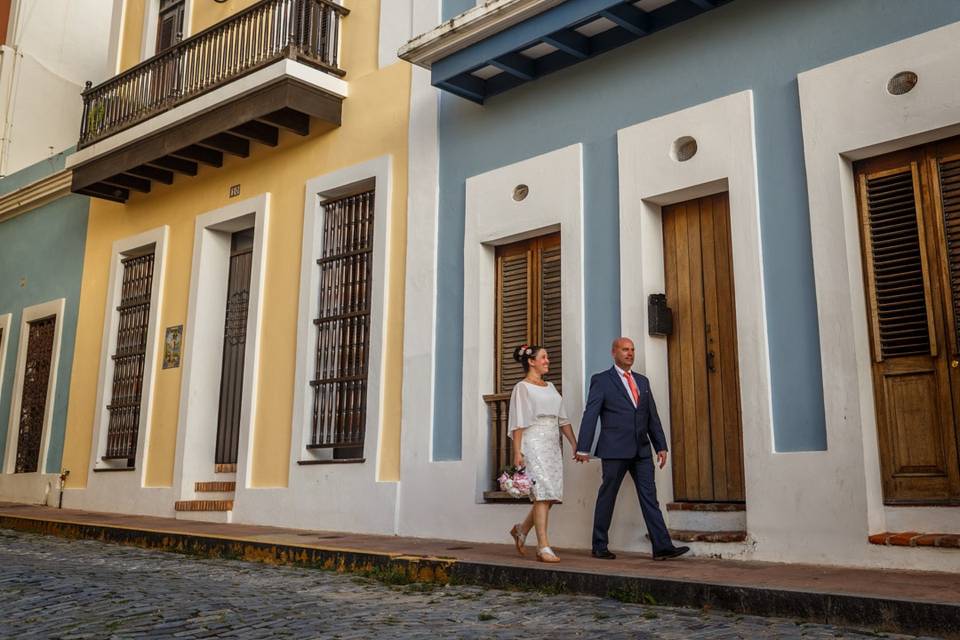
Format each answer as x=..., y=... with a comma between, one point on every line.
x=622, y=351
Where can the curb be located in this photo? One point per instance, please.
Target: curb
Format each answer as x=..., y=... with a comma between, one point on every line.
x=875, y=614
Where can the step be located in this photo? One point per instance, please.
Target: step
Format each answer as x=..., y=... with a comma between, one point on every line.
x=707, y=536
x=917, y=539
x=225, y=468
x=215, y=486
x=203, y=505
x=708, y=517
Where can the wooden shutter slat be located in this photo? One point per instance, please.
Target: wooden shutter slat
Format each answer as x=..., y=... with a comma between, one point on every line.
x=513, y=314
x=950, y=205
x=550, y=314
x=894, y=250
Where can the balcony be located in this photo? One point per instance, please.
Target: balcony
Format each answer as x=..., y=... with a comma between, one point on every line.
x=271, y=66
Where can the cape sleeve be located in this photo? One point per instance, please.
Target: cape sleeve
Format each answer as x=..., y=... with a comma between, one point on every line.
x=521, y=410
x=562, y=417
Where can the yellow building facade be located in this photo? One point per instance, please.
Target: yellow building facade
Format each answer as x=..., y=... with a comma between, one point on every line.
x=278, y=189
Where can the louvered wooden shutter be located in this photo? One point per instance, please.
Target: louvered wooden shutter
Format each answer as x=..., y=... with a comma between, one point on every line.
x=551, y=329
x=514, y=294
x=528, y=306
x=896, y=263
x=950, y=203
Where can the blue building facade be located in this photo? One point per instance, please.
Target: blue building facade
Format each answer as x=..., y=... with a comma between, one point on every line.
x=42, y=236
x=748, y=93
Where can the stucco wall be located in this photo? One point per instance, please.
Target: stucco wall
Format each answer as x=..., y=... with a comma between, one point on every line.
x=374, y=119
x=748, y=44
x=41, y=259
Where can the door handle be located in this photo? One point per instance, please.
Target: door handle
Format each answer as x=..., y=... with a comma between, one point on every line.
x=711, y=365
x=955, y=363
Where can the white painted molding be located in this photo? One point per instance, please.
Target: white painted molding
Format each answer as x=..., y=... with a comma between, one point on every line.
x=141, y=243
x=832, y=141
x=36, y=312
x=203, y=341
x=377, y=173
x=649, y=179
x=280, y=70
x=5, y=321
x=396, y=17
x=36, y=194
x=116, y=35
x=554, y=203
x=469, y=27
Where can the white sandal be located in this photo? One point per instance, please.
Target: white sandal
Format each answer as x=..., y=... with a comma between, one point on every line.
x=546, y=554
x=519, y=539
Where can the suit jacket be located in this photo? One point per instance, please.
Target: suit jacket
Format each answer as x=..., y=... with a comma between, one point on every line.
x=625, y=432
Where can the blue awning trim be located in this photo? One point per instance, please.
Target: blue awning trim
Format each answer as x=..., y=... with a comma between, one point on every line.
x=556, y=27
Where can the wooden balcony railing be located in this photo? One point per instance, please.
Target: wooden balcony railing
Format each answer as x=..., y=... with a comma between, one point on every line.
x=498, y=405
x=265, y=32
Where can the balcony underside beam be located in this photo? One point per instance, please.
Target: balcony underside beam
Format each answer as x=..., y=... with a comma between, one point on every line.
x=229, y=128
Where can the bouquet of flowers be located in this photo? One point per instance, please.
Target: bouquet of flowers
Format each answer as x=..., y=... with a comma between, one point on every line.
x=515, y=481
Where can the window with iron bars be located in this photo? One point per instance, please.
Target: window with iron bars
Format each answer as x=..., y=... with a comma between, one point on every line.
x=343, y=326
x=128, y=358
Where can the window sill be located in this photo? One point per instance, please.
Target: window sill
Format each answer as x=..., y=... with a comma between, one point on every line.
x=341, y=461
x=104, y=469
x=502, y=497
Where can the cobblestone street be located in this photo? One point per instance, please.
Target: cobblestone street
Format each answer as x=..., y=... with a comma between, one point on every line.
x=56, y=588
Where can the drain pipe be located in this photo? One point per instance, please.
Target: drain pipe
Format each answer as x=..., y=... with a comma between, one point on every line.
x=63, y=482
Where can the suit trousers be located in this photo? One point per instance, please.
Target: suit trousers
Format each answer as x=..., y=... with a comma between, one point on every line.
x=641, y=469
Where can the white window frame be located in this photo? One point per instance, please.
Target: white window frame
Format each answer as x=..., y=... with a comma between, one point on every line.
x=139, y=244
x=378, y=174
x=6, y=320
x=554, y=203
x=203, y=342
x=36, y=312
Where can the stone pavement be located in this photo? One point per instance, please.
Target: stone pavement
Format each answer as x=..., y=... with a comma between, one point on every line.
x=901, y=601
x=56, y=588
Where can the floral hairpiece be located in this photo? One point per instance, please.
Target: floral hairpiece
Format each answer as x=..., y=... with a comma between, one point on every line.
x=525, y=350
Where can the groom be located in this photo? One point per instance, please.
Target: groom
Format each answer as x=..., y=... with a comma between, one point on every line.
x=629, y=424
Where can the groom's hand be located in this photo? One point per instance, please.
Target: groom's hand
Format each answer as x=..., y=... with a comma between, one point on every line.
x=581, y=457
x=661, y=458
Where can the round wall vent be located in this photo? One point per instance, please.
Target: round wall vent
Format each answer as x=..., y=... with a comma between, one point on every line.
x=683, y=149
x=520, y=192
x=902, y=83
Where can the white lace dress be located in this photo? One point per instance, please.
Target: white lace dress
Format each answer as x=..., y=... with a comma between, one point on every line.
x=539, y=412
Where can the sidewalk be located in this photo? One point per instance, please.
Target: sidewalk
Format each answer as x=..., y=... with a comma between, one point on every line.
x=898, y=601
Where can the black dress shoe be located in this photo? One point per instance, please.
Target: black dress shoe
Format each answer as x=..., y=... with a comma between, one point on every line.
x=672, y=553
x=606, y=554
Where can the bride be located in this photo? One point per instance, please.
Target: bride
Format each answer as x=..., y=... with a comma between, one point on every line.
x=536, y=415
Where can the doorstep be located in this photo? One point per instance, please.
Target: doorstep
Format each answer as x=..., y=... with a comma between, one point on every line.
x=889, y=600
x=917, y=539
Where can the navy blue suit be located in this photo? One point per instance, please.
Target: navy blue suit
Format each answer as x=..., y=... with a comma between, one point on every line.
x=624, y=445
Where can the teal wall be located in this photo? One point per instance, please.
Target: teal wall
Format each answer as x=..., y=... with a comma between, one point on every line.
x=41, y=259
x=747, y=44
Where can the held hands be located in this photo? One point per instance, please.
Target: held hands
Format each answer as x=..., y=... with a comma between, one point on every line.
x=661, y=459
x=581, y=457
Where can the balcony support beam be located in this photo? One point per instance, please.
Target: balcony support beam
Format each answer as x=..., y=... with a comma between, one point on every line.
x=209, y=157
x=293, y=121
x=258, y=132
x=227, y=143
x=186, y=167
x=152, y=173
x=130, y=182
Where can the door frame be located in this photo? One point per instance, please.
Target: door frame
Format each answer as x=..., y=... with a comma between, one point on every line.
x=203, y=341
x=151, y=13
x=725, y=161
x=53, y=308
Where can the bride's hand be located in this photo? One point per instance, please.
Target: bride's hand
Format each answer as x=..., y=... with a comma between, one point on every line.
x=518, y=460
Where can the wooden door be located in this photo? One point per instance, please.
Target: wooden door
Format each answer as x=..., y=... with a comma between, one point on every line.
x=33, y=401
x=909, y=205
x=234, y=347
x=705, y=426
x=169, y=24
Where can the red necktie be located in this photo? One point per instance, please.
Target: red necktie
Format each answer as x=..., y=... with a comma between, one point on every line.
x=633, y=388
